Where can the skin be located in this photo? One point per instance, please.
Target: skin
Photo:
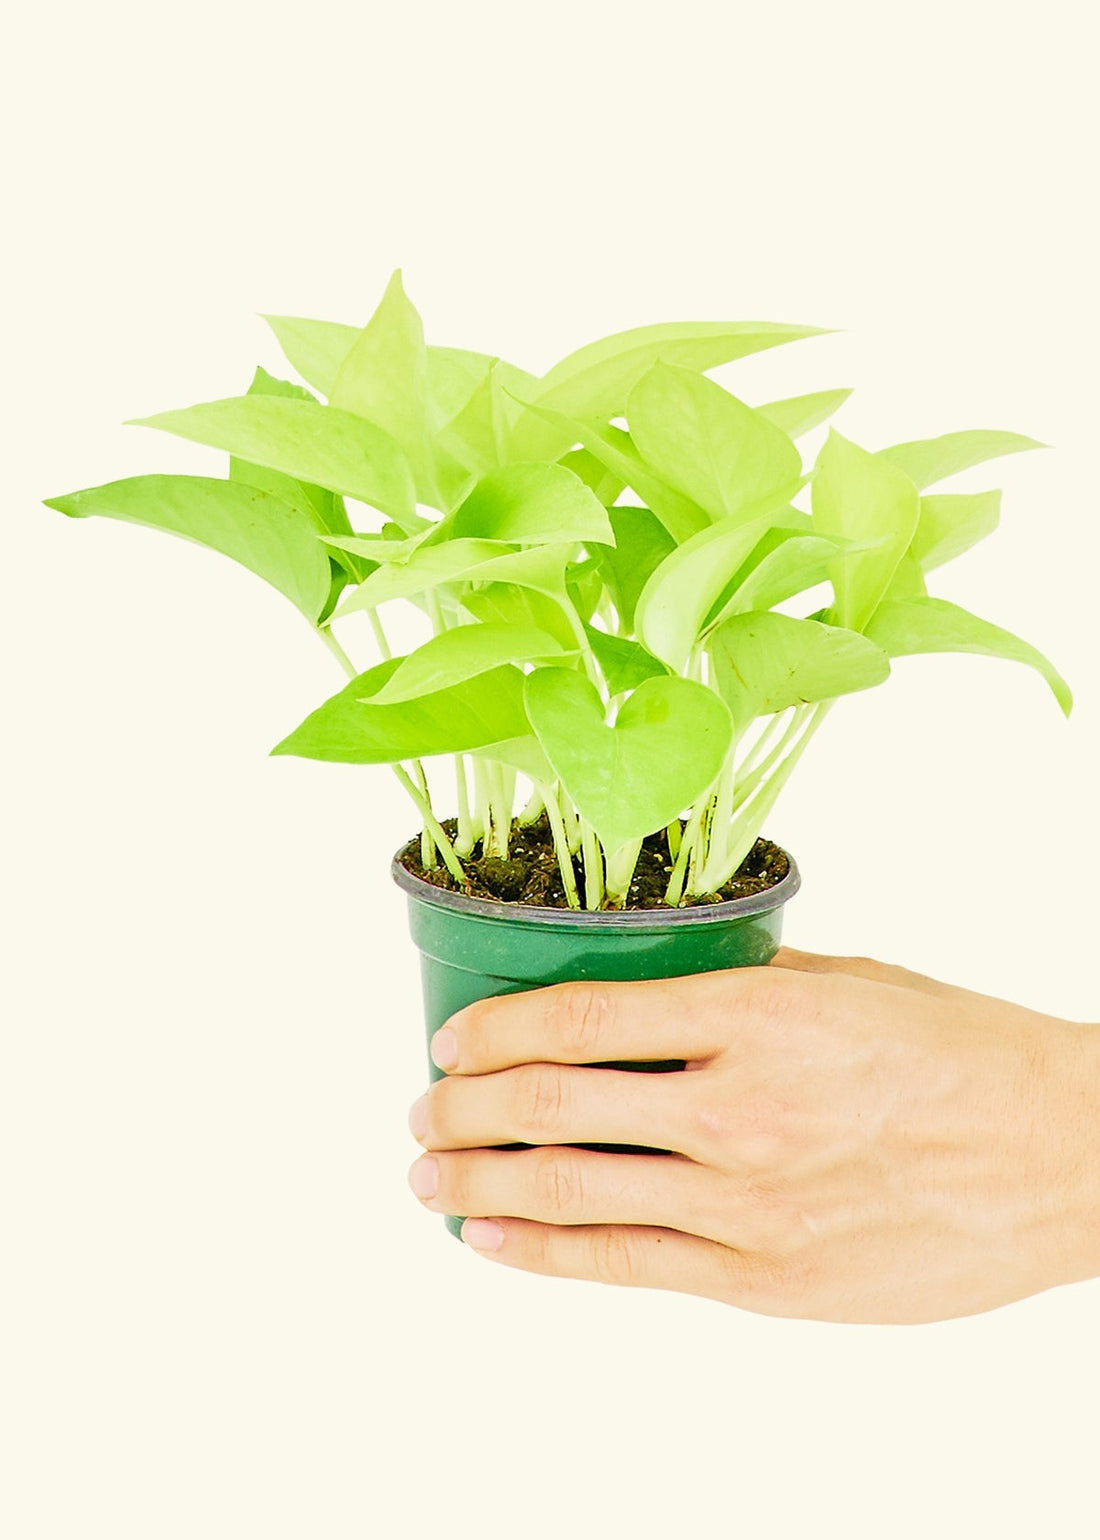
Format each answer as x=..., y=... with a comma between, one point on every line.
x=849, y=1141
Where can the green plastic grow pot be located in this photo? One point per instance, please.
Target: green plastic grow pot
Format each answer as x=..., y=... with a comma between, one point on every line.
x=471, y=948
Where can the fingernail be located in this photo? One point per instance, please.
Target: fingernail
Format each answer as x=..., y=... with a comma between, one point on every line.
x=444, y=1049
x=424, y=1177
x=418, y=1117
x=483, y=1234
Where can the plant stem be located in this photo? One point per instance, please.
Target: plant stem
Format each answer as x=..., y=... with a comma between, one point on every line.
x=675, y=889
x=561, y=845
x=467, y=835
x=337, y=651
x=435, y=614
x=674, y=834
x=481, y=795
x=620, y=873
x=535, y=805
x=717, y=842
x=593, y=866
x=432, y=826
x=764, y=738
x=746, y=826
x=748, y=784
x=380, y=636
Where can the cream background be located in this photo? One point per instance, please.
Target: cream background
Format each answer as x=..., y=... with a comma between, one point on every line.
x=224, y=1315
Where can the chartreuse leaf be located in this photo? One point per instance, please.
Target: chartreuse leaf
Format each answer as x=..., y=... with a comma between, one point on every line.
x=641, y=544
x=541, y=567
x=463, y=653
x=623, y=663
x=583, y=463
x=522, y=754
x=951, y=523
x=907, y=581
x=350, y=728
x=315, y=348
x=799, y=414
x=720, y=453
x=384, y=379
x=615, y=449
x=529, y=504
x=508, y=604
x=478, y=433
x=666, y=747
x=788, y=564
x=596, y=380
x=425, y=569
x=585, y=586
x=928, y=460
x=864, y=498
x=904, y=627
x=308, y=441
x=765, y=662
x=681, y=593
x=271, y=538
x=325, y=508
x=476, y=436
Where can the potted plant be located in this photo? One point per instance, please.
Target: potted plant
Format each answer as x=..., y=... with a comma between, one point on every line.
x=610, y=562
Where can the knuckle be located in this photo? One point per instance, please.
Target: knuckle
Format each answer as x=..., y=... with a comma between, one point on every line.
x=454, y=1187
x=752, y=1129
x=539, y=1101
x=581, y=1015
x=440, y=1114
x=558, y=1184
x=615, y=1256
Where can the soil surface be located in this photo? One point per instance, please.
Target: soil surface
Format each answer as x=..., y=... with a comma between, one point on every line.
x=530, y=875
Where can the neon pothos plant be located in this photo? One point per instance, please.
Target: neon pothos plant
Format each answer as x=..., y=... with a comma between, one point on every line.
x=601, y=554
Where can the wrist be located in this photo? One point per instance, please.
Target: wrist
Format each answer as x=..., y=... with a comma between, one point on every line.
x=1080, y=1112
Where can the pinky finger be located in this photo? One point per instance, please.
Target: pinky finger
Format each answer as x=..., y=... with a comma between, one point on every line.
x=635, y=1256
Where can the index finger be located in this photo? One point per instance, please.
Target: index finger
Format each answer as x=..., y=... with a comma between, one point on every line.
x=591, y=1022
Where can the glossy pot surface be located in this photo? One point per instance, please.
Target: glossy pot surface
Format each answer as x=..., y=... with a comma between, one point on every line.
x=472, y=948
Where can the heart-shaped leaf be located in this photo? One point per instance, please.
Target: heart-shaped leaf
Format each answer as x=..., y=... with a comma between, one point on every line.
x=463, y=653
x=641, y=544
x=276, y=541
x=596, y=380
x=799, y=414
x=917, y=625
x=950, y=523
x=765, y=662
x=426, y=568
x=863, y=497
x=665, y=749
x=928, y=460
x=315, y=348
x=308, y=441
x=681, y=593
x=351, y=729
x=508, y=604
x=784, y=563
x=529, y=504
x=384, y=379
x=616, y=450
x=710, y=446
x=624, y=664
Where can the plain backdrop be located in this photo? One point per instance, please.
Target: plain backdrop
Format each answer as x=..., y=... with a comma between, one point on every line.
x=223, y=1313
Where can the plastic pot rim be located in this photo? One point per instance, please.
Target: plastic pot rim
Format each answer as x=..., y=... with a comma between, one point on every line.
x=602, y=919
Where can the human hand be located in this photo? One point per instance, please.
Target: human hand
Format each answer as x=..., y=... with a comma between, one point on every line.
x=851, y=1141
